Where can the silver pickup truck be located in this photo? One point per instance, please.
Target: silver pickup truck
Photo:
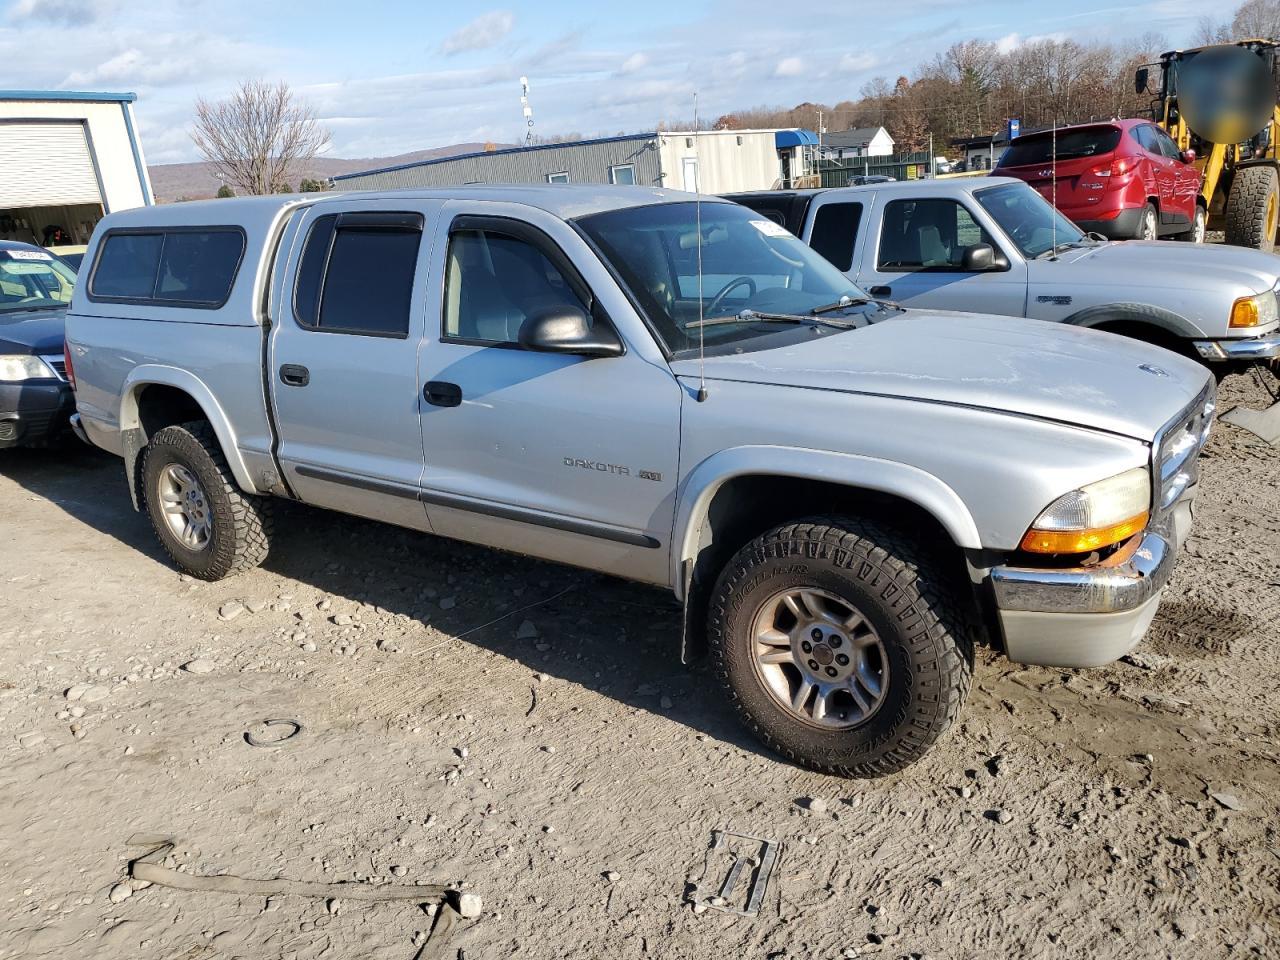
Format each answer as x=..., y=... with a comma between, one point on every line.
x=994, y=245
x=846, y=496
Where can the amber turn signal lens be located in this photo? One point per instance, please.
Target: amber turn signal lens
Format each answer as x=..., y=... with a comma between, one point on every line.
x=1082, y=541
x=1244, y=312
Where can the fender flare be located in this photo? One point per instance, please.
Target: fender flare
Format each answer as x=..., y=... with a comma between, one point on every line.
x=149, y=374
x=870, y=473
x=1166, y=320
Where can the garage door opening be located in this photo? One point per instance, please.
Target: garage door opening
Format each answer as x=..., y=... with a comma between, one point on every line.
x=50, y=188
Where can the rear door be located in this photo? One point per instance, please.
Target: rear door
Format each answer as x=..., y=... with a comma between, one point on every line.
x=350, y=314
x=1185, y=184
x=1164, y=173
x=916, y=257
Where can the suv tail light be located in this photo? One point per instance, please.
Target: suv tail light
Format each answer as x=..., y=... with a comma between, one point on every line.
x=66, y=359
x=1116, y=168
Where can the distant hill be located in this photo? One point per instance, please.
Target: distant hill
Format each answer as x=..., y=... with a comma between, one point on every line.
x=193, y=181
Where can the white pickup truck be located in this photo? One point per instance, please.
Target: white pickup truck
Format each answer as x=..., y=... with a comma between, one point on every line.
x=846, y=496
x=994, y=245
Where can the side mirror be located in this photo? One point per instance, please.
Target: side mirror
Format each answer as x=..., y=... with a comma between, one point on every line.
x=1188, y=156
x=978, y=258
x=1140, y=80
x=567, y=329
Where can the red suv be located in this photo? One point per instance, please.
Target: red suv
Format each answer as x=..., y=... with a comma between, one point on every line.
x=1125, y=179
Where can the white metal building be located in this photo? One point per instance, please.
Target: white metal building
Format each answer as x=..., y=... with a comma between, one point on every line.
x=714, y=161
x=66, y=160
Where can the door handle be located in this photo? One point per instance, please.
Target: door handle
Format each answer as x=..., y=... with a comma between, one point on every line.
x=294, y=375
x=440, y=393
x=880, y=291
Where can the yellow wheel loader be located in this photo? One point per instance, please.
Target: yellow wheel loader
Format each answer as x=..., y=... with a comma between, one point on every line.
x=1220, y=101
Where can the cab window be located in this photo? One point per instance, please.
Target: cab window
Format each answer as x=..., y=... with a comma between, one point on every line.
x=357, y=272
x=835, y=228
x=928, y=234
x=494, y=282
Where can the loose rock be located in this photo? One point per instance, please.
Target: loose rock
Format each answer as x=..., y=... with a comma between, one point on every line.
x=120, y=892
x=199, y=665
x=527, y=631
x=231, y=610
x=817, y=805
x=468, y=905
x=448, y=603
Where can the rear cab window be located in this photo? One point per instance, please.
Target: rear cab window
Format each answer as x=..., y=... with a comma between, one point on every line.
x=357, y=273
x=171, y=266
x=835, y=230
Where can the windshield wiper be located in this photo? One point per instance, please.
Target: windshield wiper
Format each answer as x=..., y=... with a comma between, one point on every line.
x=751, y=316
x=846, y=302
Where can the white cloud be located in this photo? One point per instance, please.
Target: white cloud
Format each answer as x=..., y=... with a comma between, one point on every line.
x=790, y=67
x=858, y=62
x=67, y=12
x=637, y=61
x=1008, y=43
x=482, y=32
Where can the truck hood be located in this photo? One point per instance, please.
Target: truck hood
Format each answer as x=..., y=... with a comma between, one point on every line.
x=1007, y=364
x=32, y=331
x=1163, y=264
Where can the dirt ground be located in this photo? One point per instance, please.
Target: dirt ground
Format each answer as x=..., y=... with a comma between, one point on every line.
x=527, y=730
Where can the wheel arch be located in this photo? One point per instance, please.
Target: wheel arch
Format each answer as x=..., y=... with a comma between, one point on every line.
x=155, y=397
x=738, y=494
x=1135, y=316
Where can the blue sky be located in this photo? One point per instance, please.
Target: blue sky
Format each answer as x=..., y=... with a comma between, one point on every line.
x=392, y=77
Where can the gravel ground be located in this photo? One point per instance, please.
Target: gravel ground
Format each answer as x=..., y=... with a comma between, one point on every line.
x=527, y=730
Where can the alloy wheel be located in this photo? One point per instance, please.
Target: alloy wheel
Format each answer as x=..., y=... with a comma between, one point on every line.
x=185, y=505
x=819, y=658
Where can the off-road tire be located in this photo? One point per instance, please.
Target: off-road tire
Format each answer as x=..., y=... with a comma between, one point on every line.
x=922, y=617
x=240, y=534
x=1254, y=199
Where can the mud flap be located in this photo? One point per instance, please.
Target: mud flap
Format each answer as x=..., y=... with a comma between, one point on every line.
x=133, y=441
x=693, y=638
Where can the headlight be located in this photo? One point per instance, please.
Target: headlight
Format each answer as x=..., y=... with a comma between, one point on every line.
x=1257, y=311
x=24, y=367
x=1095, y=516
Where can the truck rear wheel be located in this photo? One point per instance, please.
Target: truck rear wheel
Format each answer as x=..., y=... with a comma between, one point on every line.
x=1253, y=207
x=204, y=522
x=840, y=646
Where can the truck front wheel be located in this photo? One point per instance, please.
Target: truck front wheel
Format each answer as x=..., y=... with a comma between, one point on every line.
x=1253, y=207
x=205, y=523
x=840, y=646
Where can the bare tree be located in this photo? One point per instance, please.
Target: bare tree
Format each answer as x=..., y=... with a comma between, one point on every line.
x=260, y=139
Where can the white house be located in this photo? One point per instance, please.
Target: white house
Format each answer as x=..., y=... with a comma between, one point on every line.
x=66, y=160
x=861, y=142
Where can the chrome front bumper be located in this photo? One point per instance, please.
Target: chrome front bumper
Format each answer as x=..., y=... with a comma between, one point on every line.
x=1088, y=616
x=1125, y=581
x=1250, y=348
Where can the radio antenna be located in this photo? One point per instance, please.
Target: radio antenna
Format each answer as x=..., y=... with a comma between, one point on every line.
x=1053, y=173
x=697, y=204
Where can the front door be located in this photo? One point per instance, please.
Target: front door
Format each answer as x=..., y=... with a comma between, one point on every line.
x=919, y=260
x=343, y=360
x=566, y=457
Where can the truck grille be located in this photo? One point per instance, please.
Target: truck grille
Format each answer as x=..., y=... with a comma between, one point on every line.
x=1178, y=448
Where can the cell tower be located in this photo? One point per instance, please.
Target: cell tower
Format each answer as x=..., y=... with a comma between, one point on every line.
x=528, y=111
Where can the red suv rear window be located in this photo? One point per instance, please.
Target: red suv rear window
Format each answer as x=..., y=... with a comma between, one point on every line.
x=1072, y=144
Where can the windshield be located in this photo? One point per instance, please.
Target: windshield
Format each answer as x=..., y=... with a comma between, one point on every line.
x=33, y=280
x=1071, y=145
x=748, y=263
x=1029, y=219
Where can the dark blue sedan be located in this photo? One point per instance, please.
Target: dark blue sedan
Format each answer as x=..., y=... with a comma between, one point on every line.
x=35, y=397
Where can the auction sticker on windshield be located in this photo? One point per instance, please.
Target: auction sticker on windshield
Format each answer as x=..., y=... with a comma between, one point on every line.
x=769, y=228
x=27, y=254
